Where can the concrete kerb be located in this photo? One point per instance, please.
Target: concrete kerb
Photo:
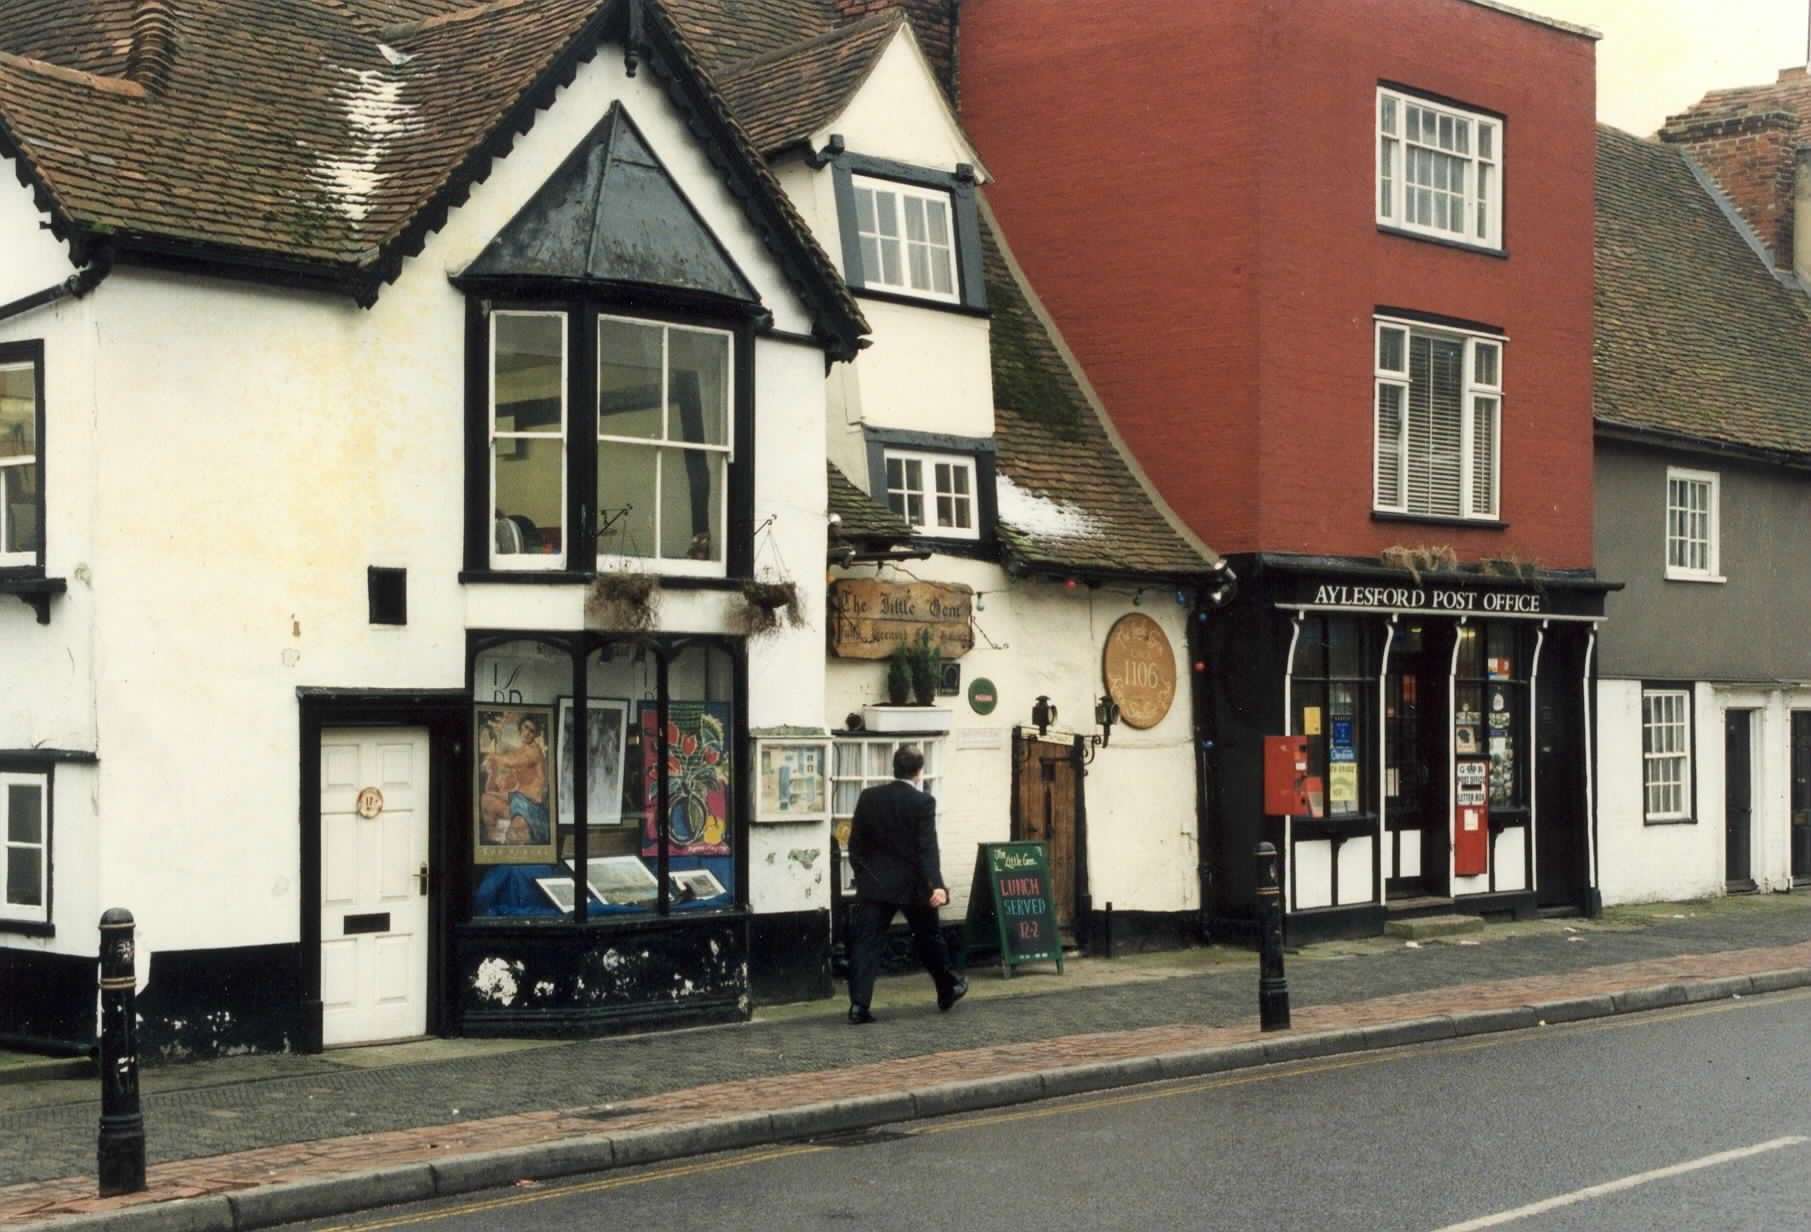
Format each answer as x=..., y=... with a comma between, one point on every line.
x=339, y=1195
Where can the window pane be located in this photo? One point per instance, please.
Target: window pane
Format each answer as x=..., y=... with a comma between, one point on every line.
x=936, y=221
x=530, y=495
x=1344, y=647
x=946, y=511
x=18, y=412
x=1389, y=114
x=528, y=372
x=19, y=508
x=701, y=794
x=889, y=263
x=940, y=272
x=1386, y=174
x=628, y=379
x=699, y=387
x=1389, y=445
x=1486, y=367
x=1484, y=456
x=1435, y=425
x=1487, y=135
x=691, y=504
x=914, y=219
x=920, y=260
x=880, y=760
x=914, y=475
x=886, y=209
x=626, y=505
x=870, y=258
x=24, y=877
x=914, y=510
x=24, y=813
x=1389, y=349
x=516, y=687
x=864, y=210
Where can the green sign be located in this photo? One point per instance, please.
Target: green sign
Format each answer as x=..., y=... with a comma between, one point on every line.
x=982, y=696
x=1011, y=908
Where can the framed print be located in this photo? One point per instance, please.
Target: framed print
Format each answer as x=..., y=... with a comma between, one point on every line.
x=694, y=883
x=606, y=739
x=559, y=892
x=620, y=880
x=791, y=780
x=513, y=770
x=698, y=779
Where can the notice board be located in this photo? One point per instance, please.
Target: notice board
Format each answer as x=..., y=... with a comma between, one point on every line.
x=1011, y=907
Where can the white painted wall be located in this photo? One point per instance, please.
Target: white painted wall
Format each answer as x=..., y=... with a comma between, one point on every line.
x=899, y=113
x=1038, y=638
x=251, y=451
x=35, y=259
x=1642, y=863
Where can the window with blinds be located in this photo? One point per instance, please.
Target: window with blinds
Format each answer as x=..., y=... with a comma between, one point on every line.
x=1437, y=416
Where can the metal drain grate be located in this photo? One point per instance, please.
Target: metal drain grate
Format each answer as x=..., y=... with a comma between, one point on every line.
x=860, y=1137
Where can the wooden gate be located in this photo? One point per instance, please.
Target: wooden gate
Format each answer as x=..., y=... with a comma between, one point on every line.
x=1049, y=781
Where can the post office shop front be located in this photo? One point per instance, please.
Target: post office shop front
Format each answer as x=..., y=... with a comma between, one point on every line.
x=1442, y=754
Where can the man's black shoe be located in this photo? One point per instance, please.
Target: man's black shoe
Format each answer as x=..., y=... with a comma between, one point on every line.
x=858, y=1014
x=957, y=990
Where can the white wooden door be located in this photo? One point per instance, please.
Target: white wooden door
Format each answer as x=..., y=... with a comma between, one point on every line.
x=374, y=903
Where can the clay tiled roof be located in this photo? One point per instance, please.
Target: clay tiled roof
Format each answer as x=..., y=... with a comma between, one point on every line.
x=726, y=32
x=786, y=95
x=313, y=134
x=1695, y=336
x=1067, y=497
x=862, y=517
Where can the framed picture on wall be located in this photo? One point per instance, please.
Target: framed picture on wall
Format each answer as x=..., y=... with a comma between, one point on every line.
x=791, y=780
x=606, y=740
x=513, y=785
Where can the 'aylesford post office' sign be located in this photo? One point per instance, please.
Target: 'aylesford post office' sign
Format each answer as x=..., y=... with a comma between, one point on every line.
x=1428, y=598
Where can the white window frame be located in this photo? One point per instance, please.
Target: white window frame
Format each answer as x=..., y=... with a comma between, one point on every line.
x=932, y=523
x=1653, y=761
x=931, y=747
x=1475, y=390
x=874, y=279
x=16, y=912
x=537, y=562
x=675, y=565
x=1389, y=181
x=35, y=458
x=1712, y=571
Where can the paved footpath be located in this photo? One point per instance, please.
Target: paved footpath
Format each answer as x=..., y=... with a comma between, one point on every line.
x=300, y=1119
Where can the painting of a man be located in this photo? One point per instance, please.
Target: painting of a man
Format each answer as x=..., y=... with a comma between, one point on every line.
x=515, y=785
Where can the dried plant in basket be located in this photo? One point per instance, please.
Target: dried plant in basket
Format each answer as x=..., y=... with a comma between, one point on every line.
x=766, y=604
x=628, y=601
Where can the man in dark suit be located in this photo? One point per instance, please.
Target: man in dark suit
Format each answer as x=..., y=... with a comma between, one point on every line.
x=893, y=851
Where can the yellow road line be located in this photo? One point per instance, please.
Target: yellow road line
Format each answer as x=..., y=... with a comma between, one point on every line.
x=1066, y=1107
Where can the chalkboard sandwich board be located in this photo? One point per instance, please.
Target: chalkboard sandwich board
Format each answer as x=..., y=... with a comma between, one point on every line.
x=1011, y=908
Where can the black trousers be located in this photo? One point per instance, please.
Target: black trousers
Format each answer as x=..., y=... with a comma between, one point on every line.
x=868, y=924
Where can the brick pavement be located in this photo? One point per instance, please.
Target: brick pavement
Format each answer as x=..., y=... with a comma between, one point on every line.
x=1001, y=1039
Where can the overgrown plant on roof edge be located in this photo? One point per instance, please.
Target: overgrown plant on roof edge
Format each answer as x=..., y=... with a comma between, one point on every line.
x=1421, y=558
x=624, y=600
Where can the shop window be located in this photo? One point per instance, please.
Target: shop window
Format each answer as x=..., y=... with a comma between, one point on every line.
x=536, y=755
x=21, y=454
x=1333, y=697
x=1490, y=706
x=1666, y=754
x=1437, y=414
x=934, y=492
x=25, y=838
x=861, y=762
x=1692, y=553
x=1439, y=170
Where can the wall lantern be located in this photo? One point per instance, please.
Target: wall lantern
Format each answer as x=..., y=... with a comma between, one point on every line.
x=1043, y=714
x=1106, y=714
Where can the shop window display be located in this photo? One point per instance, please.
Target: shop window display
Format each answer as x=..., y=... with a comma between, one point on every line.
x=536, y=755
x=1333, y=695
x=1490, y=706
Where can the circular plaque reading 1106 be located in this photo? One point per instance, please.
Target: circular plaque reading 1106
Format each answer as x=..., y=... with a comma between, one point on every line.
x=1140, y=670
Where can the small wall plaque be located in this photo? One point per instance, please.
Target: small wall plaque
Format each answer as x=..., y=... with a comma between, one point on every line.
x=370, y=803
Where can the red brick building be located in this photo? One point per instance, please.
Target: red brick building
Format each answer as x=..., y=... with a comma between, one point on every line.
x=1329, y=266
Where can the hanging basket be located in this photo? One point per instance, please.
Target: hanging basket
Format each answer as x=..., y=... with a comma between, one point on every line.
x=765, y=605
x=628, y=601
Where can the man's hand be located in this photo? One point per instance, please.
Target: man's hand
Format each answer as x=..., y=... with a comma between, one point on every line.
x=939, y=897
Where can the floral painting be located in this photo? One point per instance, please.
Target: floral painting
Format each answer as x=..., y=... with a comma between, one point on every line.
x=698, y=778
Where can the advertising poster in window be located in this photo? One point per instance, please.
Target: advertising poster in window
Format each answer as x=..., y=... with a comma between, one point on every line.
x=515, y=797
x=698, y=774
x=1502, y=749
x=1342, y=769
x=606, y=734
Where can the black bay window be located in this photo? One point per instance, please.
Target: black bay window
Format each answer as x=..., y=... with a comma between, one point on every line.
x=604, y=438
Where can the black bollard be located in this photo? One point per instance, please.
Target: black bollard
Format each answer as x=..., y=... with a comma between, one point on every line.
x=1273, y=989
x=121, y=1157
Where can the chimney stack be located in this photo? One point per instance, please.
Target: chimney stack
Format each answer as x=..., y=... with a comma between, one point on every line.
x=153, y=50
x=1752, y=155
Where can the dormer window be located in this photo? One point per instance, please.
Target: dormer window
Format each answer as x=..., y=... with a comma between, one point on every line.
x=934, y=492
x=907, y=241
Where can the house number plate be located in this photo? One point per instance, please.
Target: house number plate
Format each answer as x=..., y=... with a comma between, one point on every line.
x=370, y=803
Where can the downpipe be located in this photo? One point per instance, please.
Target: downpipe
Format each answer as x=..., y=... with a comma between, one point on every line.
x=75, y=286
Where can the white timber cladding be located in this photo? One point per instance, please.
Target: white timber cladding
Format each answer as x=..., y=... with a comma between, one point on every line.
x=1439, y=169
x=235, y=584
x=1693, y=552
x=1437, y=415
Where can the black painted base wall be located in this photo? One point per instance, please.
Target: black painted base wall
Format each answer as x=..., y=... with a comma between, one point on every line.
x=1141, y=932
x=225, y=1002
x=47, y=999
x=565, y=980
x=789, y=957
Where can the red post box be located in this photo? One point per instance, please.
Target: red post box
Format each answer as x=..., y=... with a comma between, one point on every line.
x=1285, y=776
x=1471, y=820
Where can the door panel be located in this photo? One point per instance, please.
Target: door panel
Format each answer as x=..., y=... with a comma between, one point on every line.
x=1801, y=795
x=1561, y=878
x=1046, y=814
x=1738, y=794
x=374, y=909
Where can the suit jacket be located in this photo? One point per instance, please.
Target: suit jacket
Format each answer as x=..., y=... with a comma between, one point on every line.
x=893, y=845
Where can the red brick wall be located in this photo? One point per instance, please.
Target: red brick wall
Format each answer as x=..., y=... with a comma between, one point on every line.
x=1192, y=195
x=1750, y=155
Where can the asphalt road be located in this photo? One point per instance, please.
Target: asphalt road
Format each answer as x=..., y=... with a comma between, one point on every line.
x=1691, y=1118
